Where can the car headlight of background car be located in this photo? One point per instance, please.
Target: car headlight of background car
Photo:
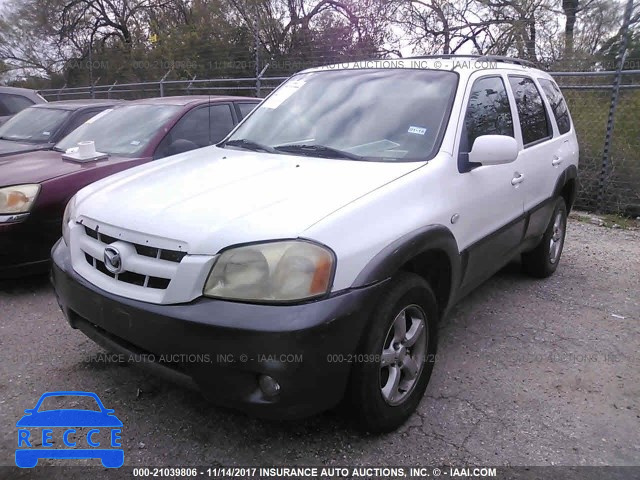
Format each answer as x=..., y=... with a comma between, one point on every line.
x=18, y=198
x=278, y=271
x=68, y=217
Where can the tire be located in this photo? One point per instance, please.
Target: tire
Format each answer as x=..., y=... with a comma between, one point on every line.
x=377, y=406
x=543, y=260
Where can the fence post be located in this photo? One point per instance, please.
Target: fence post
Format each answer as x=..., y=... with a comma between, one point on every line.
x=256, y=39
x=259, y=80
x=622, y=55
x=92, y=90
x=190, y=85
x=162, y=83
x=63, y=87
x=111, y=88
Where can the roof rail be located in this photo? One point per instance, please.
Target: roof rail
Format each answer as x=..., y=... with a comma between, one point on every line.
x=492, y=58
x=517, y=61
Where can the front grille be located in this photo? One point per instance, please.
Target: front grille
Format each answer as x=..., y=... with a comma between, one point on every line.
x=144, y=250
x=133, y=278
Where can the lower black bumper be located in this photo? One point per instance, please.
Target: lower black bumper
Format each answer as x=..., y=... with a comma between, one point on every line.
x=221, y=348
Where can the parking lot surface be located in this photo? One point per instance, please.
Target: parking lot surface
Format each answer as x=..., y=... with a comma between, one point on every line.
x=529, y=372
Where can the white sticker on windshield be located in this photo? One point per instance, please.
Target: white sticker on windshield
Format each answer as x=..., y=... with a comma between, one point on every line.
x=135, y=142
x=283, y=93
x=417, y=130
x=46, y=134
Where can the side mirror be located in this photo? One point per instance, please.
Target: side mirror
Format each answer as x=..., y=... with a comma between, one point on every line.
x=181, y=145
x=494, y=150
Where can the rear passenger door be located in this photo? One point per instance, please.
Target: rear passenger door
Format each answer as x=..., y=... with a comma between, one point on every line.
x=539, y=145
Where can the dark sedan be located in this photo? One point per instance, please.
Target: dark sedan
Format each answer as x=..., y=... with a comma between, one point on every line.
x=40, y=127
x=36, y=186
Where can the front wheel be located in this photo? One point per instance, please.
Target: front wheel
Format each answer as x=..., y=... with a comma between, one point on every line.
x=543, y=260
x=401, y=339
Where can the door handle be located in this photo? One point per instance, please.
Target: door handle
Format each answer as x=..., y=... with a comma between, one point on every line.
x=519, y=178
x=556, y=161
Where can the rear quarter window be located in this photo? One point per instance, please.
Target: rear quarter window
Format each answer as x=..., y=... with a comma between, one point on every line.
x=558, y=105
x=246, y=108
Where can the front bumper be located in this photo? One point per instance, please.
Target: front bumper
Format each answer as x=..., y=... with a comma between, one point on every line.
x=25, y=247
x=221, y=347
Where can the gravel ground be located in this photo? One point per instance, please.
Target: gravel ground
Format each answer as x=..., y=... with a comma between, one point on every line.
x=529, y=373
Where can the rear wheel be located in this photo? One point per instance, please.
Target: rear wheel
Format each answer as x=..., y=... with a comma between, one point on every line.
x=543, y=260
x=398, y=353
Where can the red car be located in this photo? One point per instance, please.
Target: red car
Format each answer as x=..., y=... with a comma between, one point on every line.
x=36, y=186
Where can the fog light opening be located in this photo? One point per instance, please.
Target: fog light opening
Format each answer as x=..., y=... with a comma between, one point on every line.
x=268, y=385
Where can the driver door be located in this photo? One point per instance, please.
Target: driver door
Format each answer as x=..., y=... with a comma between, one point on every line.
x=490, y=199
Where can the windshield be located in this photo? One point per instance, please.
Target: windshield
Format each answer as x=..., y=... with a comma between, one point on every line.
x=372, y=114
x=33, y=125
x=124, y=131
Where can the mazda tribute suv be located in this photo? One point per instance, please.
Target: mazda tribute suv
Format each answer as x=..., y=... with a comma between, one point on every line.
x=308, y=257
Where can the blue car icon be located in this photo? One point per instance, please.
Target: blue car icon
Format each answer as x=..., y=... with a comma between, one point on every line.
x=67, y=420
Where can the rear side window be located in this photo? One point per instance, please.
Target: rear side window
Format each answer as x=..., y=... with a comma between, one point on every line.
x=558, y=105
x=12, y=104
x=533, y=116
x=488, y=112
x=79, y=119
x=221, y=122
x=246, y=108
x=198, y=128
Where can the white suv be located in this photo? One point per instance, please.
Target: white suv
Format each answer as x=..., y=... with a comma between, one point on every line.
x=309, y=256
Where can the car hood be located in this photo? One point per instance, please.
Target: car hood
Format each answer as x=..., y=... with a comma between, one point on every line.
x=69, y=418
x=11, y=148
x=37, y=167
x=212, y=197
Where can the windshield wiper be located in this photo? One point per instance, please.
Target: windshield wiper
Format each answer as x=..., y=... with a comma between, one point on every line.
x=317, y=151
x=250, y=145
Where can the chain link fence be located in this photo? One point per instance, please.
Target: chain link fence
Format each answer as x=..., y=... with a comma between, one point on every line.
x=609, y=180
x=609, y=147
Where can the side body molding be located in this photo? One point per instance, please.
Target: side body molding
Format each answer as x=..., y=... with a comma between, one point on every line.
x=426, y=239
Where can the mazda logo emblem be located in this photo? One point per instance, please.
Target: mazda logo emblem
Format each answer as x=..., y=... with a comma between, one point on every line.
x=112, y=260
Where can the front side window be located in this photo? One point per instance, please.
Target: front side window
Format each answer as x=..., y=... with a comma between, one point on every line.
x=392, y=114
x=531, y=110
x=34, y=125
x=558, y=105
x=488, y=112
x=125, y=131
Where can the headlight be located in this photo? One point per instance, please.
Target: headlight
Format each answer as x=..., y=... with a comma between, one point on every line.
x=272, y=272
x=18, y=199
x=68, y=217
